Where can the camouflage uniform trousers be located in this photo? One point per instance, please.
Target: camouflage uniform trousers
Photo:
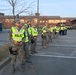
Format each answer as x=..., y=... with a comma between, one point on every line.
x=50, y=37
x=20, y=54
x=54, y=35
x=57, y=34
x=44, y=41
x=26, y=50
x=34, y=45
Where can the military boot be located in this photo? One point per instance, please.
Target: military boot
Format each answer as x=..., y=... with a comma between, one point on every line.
x=28, y=60
x=12, y=69
x=35, y=52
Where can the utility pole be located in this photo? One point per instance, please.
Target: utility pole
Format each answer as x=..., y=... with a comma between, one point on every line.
x=37, y=13
x=37, y=6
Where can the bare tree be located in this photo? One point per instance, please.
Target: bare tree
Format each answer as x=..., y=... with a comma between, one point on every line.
x=19, y=6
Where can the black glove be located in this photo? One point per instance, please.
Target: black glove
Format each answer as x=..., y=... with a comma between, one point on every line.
x=42, y=36
x=12, y=52
x=32, y=41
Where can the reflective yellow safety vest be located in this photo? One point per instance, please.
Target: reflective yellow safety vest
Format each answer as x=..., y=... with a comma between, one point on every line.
x=26, y=37
x=65, y=28
x=34, y=31
x=58, y=29
x=44, y=29
x=51, y=29
x=30, y=30
x=61, y=28
x=54, y=29
x=17, y=35
x=26, y=25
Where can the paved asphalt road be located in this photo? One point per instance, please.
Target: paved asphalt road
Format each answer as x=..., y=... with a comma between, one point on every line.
x=4, y=36
x=58, y=59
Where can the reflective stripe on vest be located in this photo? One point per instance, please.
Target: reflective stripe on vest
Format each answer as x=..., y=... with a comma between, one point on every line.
x=17, y=35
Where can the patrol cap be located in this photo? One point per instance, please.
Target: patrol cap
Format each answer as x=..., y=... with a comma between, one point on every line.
x=18, y=22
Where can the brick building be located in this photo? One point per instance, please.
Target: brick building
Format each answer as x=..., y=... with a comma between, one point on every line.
x=8, y=20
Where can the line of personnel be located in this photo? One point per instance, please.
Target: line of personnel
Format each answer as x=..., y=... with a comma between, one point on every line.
x=23, y=41
x=48, y=32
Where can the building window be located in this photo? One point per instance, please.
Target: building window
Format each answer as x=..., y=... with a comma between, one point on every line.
x=51, y=21
x=46, y=21
x=57, y=21
x=11, y=20
x=35, y=20
x=63, y=20
x=7, y=20
x=41, y=21
x=22, y=20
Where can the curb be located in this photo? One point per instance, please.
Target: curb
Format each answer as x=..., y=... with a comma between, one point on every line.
x=4, y=62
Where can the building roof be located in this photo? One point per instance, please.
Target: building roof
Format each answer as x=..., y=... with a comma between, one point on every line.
x=40, y=17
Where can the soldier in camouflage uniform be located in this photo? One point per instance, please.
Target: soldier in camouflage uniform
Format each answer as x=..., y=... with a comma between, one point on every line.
x=57, y=31
x=50, y=33
x=16, y=37
x=44, y=36
x=26, y=44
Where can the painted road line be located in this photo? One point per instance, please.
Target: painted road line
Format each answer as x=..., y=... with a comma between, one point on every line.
x=67, y=57
x=63, y=45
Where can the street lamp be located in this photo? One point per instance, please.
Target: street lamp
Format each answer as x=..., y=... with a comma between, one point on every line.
x=37, y=6
x=37, y=13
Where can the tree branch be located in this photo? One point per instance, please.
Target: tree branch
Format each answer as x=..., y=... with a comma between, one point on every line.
x=24, y=10
x=9, y=2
